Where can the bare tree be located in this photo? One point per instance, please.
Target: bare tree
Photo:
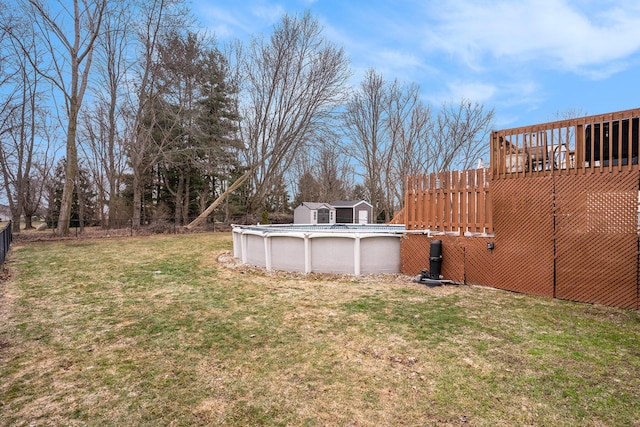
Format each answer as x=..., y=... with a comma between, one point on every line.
x=103, y=124
x=388, y=125
x=569, y=113
x=408, y=123
x=333, y=172
x=458, y=136
x=365, y=127
x=392, y=134
x=22, y=123
x=291, y=85
x=321, y=173
x=41, y=173
x=9, y=92
x=68, y=34
x=8, y=26
x=17, y=148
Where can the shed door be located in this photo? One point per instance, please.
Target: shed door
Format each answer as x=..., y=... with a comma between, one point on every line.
x=363, y=217
x=344, y=215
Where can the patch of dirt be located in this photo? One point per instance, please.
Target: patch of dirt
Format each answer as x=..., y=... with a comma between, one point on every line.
x=5, y=274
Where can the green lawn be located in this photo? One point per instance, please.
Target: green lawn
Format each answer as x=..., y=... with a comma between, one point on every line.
x=154, y=331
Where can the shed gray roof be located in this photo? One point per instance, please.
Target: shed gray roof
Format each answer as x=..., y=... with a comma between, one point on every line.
x=315, y=206
x=348, y=203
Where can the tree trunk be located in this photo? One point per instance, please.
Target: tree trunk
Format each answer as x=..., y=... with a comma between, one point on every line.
x=111, y=143
x=71, y=170
x=104, y=216
x=137, y=202
x=177, y=214
x=111, y=206
x=15, y=222
x=81, y=206
x=185, y=201
x=27, y=198
x=220, y=199
x=227, y=214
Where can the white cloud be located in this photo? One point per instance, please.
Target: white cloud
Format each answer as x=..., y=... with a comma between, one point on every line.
x=398, y=64
x=554, y=34
x=472, y=91
x=522, y=95
x=268, y=13
x=239, y=22
x=222, y=21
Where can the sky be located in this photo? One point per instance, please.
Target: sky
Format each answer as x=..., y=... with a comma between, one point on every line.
x=529, y=60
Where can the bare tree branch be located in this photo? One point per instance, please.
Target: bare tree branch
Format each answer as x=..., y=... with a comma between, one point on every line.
x=292, y=84
x=70, y=70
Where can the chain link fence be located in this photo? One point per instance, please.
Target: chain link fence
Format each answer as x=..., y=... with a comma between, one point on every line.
x=46, y=229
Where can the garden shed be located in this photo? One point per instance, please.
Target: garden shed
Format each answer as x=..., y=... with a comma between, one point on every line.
x=353, y=212
x=314, y=213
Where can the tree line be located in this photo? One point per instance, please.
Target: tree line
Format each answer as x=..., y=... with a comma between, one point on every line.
x=117, y=111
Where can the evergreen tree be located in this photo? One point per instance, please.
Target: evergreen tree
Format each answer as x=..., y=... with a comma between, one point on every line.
x=194, y=126
x=83, y=204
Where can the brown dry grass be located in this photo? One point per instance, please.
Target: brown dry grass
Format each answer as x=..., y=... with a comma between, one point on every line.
x=168, y=330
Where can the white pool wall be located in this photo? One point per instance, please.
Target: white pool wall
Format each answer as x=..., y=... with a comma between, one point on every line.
x=356, y=249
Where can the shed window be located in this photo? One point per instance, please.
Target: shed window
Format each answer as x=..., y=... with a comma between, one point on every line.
x=323, y=216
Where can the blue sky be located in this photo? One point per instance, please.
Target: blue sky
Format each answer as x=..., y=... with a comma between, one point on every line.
x=528, y=59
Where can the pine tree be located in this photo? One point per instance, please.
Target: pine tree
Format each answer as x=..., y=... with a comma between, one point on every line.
x=83, y=204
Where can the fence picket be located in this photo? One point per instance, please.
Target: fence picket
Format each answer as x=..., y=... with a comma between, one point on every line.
x=449, y=202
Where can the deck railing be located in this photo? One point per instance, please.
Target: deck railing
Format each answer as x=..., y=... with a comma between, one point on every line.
x=457, y=202
x=593, y=144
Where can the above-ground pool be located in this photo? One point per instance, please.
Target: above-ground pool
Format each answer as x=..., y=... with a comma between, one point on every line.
x=338, y=248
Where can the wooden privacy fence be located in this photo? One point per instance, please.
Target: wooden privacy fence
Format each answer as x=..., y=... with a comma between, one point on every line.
x=456, y=201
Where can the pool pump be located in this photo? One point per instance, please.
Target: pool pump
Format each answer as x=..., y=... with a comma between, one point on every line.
x=432, y=276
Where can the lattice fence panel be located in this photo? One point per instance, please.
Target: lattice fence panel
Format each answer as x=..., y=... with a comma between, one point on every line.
x=452, y=258
x=478, y=261
x=596, y=238
x=414, y=253
x=523, y=224
x=464, y=259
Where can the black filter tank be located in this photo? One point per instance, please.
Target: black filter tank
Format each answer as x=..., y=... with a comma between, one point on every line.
x=435, y=259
